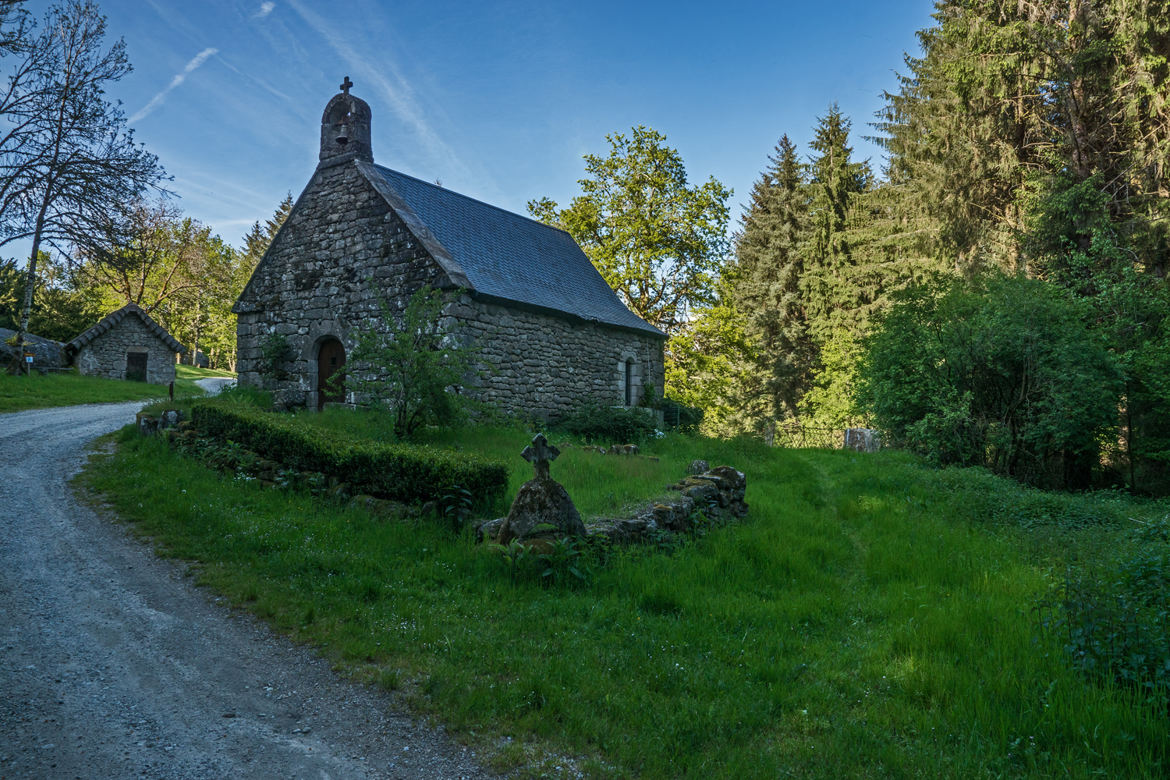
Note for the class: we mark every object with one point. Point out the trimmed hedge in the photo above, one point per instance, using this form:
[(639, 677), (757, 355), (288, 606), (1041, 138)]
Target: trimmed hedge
[(396, 471)]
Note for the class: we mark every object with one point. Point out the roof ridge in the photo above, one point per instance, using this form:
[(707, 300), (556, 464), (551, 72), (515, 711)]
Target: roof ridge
[(474, 200), (107, 322)]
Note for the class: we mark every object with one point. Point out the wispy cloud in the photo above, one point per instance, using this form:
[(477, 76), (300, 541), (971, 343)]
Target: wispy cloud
[(395, 88), (178, 79), (264, 10)]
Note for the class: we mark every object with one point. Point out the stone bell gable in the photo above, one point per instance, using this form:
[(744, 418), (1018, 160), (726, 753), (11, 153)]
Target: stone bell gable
[(549, 333)]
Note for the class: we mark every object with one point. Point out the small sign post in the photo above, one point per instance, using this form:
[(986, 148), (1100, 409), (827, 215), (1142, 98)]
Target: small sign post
[(28, 361)]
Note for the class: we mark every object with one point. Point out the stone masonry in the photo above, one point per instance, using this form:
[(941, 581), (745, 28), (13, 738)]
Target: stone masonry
[(339, 250), (547, 365), (104, 349), (353, 237)]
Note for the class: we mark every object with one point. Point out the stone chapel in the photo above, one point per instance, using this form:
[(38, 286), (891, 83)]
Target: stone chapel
[(550, 333)]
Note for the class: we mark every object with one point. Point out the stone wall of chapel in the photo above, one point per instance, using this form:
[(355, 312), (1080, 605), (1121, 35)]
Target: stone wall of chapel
[(340, 247), (542, 366), (106, 354)]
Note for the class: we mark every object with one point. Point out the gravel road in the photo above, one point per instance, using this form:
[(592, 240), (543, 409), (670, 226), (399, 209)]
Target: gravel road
[(112, 664), (213, 384)]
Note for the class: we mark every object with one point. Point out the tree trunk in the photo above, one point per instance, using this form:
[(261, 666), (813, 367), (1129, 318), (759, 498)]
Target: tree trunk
[(31, 281)]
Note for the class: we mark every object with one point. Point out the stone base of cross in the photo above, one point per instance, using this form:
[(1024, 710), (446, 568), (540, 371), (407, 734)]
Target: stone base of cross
[(542, 509)]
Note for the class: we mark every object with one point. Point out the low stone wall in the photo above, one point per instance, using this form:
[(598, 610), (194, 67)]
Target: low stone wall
[(715, 495), (150, 424), (47, 354)]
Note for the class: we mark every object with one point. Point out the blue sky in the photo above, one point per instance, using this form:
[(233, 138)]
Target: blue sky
[(496, 100)]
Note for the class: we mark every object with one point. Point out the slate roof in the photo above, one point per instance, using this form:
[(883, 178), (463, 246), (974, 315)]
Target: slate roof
[(501, 255), (110, 320), (46, 351)]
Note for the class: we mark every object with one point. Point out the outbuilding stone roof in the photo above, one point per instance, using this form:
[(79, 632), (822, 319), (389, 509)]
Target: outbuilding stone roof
[(110, 320), (498, 254)]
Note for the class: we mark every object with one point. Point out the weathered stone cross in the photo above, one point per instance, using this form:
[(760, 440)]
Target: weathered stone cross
[(540, 453), (345, 85)]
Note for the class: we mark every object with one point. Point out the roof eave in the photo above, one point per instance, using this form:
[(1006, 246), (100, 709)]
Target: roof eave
[(454, 271), (648, 329)]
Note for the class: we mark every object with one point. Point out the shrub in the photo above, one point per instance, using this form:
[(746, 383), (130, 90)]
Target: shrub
[(680, 417), (396, 471), (275, 353), (676, 415), (411, 364), (608, 424), (1116, 618), (1001, 373)]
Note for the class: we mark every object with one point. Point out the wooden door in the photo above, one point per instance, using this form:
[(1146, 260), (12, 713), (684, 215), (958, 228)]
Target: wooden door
[(330, 361), (136, 366)]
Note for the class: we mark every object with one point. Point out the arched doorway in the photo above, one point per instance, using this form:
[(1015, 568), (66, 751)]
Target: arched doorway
[(330, 361)]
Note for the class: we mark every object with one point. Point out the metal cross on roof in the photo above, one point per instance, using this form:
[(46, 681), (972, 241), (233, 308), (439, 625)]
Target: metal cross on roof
[(540, 453), (345, 85)]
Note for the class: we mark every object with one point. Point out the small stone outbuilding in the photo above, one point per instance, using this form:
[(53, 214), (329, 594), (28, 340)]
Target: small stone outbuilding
[(549, 333), (127, 344)]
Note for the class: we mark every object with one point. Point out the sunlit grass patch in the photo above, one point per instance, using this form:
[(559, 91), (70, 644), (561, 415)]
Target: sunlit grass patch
[(67, 388)]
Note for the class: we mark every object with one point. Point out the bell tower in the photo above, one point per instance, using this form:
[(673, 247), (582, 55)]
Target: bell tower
[(345, 128)]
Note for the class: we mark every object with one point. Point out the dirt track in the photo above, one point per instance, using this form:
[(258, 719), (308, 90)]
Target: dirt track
[(113, 665)]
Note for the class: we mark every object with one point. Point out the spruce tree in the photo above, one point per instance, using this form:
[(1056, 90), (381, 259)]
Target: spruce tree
[(1006, 96), (830, 285), (769, 252), (273, 223), (836, 181)]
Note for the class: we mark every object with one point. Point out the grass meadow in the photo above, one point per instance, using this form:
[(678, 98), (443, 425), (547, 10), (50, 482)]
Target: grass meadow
[(871, 617), (67, 388)]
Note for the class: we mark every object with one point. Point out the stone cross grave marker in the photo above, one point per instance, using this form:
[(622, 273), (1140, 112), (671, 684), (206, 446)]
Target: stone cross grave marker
[(540, 453), (345, 85)]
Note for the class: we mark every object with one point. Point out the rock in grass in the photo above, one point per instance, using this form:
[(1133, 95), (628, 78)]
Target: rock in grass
[(542, 509), (489, 531)]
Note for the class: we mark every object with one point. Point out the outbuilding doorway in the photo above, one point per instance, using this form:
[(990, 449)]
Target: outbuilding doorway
[(136, 366), (330, 362)]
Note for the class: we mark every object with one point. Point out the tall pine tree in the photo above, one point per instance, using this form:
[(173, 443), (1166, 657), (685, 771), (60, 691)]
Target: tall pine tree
[(769, 252), (831, 285)]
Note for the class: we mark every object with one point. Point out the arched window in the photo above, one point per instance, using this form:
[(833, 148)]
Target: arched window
[(629, 382), (330, 361)]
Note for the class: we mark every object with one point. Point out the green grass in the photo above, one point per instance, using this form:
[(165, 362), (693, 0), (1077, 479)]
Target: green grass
[(193, 372), (186, 376), (597, 486), (68, 388), (871, 617)]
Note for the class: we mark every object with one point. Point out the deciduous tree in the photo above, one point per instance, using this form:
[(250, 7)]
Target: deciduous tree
[(70, 165), (657, 239)]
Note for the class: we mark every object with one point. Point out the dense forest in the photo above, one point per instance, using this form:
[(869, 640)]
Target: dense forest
[(995, 295), (174, 267)]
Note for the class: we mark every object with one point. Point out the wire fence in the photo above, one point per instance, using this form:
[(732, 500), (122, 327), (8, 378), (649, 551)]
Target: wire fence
[(795, 436)]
